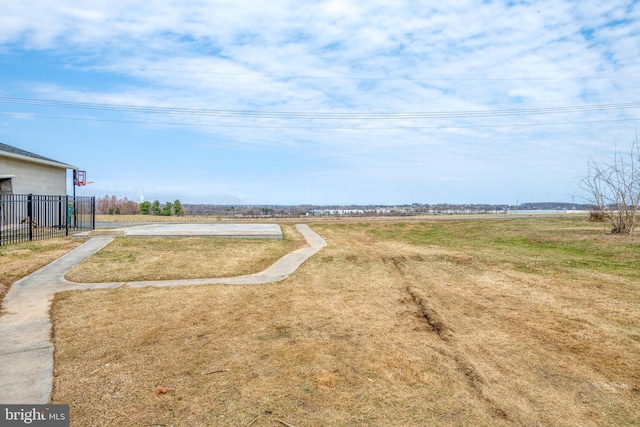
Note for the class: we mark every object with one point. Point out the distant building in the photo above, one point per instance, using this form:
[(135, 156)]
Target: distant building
[(22, 172)]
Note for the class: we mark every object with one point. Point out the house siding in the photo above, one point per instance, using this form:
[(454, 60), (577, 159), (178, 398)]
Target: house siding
[(34, 178)]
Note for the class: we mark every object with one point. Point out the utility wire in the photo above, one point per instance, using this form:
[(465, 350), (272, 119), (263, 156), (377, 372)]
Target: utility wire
[(319, 115), (225, 125)]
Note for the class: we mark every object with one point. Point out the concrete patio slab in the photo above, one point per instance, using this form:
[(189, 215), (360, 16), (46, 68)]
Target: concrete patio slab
[(251, 231)]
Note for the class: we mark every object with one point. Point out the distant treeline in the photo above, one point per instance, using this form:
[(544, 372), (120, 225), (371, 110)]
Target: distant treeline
[(245, 210), (115, 206), (255, 211), (112, 205)]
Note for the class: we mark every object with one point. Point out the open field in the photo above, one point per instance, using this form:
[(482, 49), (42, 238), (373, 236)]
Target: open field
[(21, 259), (495, 322)]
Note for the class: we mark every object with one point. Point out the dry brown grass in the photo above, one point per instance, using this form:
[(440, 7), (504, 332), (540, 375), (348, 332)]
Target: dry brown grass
[(132, 259), (20, 260), (526, 322)]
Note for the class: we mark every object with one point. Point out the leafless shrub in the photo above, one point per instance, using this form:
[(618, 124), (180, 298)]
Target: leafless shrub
[(614, 188)]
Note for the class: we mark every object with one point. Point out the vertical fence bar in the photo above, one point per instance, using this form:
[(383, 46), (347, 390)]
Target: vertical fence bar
[(30, 215), (23, 209), (75, 213), (2, 214), (39, 214), (66, 215), (42, 214), (39, 209)]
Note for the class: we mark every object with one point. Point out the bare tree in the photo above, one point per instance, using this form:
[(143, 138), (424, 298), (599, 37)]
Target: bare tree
[(614, 188), (113, 205)]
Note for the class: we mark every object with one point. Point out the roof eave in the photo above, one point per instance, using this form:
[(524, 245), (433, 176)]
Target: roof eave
[(40, 161)]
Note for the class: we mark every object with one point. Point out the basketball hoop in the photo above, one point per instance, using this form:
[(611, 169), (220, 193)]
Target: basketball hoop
[(80, 178)]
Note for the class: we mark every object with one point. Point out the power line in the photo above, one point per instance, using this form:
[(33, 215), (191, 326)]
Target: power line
[(288, 115), (224, 125)]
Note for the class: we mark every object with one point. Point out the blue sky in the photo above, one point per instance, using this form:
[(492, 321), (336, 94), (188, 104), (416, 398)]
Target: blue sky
[(322, 102)]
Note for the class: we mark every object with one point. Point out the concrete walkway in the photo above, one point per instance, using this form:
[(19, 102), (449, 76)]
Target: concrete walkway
[(26, 350)]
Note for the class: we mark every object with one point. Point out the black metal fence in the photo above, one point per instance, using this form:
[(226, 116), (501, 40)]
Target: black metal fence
[(26, 217)]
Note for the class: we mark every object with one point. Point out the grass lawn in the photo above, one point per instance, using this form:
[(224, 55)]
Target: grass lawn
[(445, 322), (132, 259)]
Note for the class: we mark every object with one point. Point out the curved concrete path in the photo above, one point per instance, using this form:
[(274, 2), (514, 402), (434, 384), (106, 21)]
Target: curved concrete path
[(26, 350)]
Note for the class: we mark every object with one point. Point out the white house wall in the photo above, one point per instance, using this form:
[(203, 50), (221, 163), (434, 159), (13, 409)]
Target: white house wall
[(34, 178)]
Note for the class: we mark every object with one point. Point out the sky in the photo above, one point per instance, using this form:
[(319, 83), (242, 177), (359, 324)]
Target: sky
[(277, 102)]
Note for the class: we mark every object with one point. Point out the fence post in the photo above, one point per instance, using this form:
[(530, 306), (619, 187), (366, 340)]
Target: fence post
[(75, 213), (93, 212), (66, 215), (30, 215)]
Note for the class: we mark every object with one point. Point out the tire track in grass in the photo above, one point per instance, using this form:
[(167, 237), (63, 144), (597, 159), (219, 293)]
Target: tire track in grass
[(436, 325)]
